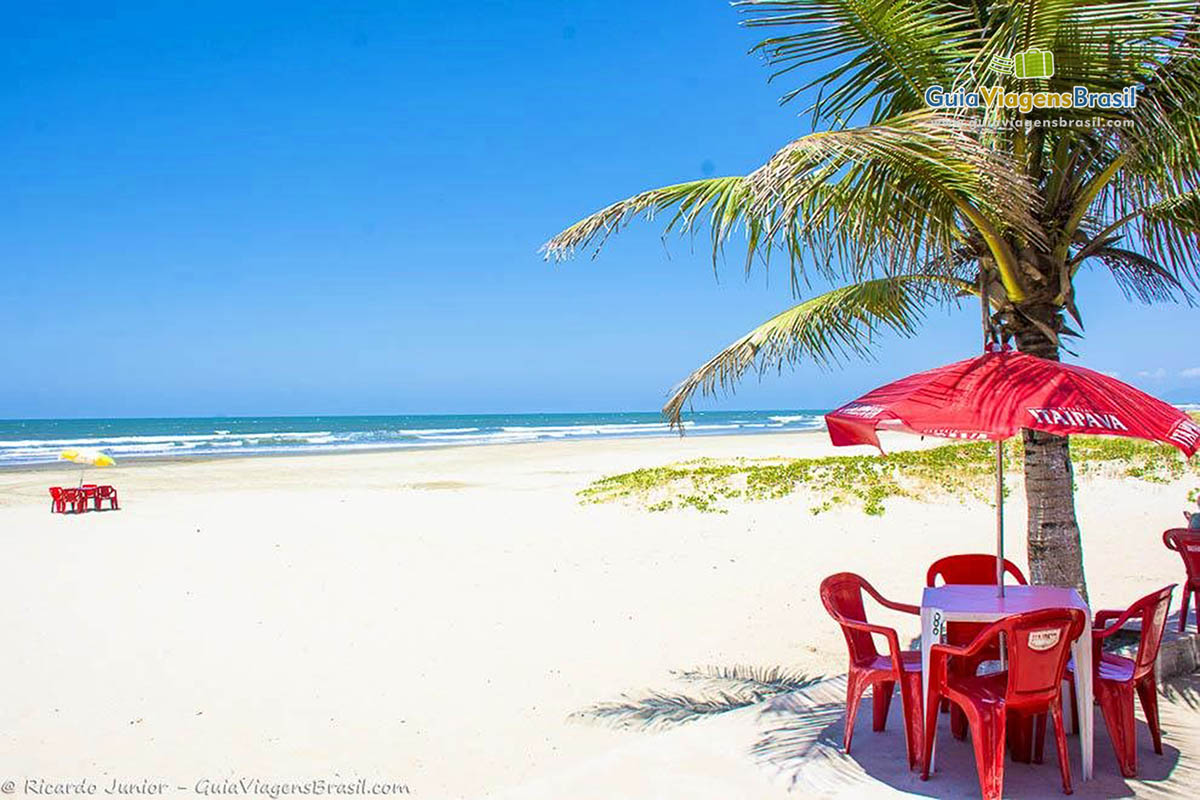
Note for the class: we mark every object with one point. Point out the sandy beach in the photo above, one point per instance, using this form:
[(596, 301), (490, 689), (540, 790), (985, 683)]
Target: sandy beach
[(433, 618)]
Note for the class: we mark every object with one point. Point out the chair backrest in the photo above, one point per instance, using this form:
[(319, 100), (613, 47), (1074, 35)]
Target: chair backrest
[(842, 596), (1152, 611), (970, 568), (1187, 544), (56, 492), (1039, 645), (105, 490)]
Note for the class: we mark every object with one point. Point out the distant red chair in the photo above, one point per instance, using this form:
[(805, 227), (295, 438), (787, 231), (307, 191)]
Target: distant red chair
[(57, 503), (76, 499), (1187, 544), (975, 569), (1037, 644), (842, 595), (1116, 677), (109, 493)]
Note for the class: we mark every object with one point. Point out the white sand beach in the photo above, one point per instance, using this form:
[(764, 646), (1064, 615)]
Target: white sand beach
[(433, 618)]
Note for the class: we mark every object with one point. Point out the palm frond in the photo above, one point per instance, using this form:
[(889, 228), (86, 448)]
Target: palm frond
[(891, 193), (879, 198), (1140, 277), (868, 49), (824, 329), (1162, 208), (721, 203)]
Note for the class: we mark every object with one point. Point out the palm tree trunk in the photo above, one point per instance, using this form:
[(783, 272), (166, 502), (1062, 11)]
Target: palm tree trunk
[(1055, 551)]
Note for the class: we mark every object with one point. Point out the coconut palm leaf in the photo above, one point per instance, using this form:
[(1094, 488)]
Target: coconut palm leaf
[(873, 48), (824, 329), (892, 192), (886, 197), (721, 203), (1163, 210), (1140, 277)]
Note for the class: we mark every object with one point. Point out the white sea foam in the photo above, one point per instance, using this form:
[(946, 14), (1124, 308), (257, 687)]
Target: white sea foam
[(124, 443), (784, 419), (109, 441)]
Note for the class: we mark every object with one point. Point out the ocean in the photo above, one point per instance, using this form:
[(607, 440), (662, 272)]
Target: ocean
[(35, 441)]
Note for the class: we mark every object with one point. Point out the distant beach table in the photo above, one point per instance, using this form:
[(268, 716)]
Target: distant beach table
[(957, 603)]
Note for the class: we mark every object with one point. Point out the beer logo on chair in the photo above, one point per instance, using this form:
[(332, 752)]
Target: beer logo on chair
[(1044, 640)]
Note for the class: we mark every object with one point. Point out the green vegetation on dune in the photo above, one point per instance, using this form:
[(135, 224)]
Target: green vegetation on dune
[(962, 471)]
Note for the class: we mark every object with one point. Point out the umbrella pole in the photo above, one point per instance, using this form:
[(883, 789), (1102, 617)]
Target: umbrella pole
[(1000, 518)]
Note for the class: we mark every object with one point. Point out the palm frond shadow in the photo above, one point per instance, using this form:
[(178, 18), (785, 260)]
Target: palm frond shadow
[(807, 728), (721, 689), (1186, 691)]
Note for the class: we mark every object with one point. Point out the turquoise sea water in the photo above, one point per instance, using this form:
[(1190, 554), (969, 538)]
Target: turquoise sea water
[(40, 441)]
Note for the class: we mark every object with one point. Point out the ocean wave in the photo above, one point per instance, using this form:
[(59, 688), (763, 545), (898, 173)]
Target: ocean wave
[(20, 443), (110, 441)]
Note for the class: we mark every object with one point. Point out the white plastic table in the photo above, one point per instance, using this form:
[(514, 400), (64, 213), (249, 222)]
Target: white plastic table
[(958, 603)]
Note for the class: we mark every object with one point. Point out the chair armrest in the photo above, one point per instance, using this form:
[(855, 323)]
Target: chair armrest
[(1169, 539), (939, 654), (1104, 615), (1101, 629), (945, 650), (868, 627), (979, 642), (893, 639), (907, 608), (883, 601)]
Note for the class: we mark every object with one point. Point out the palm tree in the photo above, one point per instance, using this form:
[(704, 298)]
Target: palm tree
[(906, 207)]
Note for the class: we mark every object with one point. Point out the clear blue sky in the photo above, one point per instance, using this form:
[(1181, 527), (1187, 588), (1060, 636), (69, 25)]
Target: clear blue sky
[(289, 207)]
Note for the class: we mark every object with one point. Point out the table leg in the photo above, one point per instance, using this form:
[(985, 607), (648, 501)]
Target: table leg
[(926, 643), (1082, 651)]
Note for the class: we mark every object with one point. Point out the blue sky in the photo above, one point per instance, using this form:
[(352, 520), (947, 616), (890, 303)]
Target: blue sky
[(291, 208)]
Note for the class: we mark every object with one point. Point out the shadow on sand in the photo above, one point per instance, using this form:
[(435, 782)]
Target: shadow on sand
[(802, 735)]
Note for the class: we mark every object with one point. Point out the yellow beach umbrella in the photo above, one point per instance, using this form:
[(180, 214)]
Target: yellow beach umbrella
[(87, 458)]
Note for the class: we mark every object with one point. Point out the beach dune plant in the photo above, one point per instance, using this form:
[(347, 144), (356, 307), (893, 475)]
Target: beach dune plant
[(904, 207)]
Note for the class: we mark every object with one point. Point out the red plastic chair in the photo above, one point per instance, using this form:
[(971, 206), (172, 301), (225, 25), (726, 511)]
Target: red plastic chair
[(976, 569), (57, 503), (1187, 544), (1038, 644), (108, 493), (88, 491), (75, 498), (1116, 678), (842, 595)]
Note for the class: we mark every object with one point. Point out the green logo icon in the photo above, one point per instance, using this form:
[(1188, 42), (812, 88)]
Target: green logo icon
[(1029, 64)]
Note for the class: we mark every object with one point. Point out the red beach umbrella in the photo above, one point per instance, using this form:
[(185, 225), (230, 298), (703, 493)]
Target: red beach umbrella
[(995, 395)]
